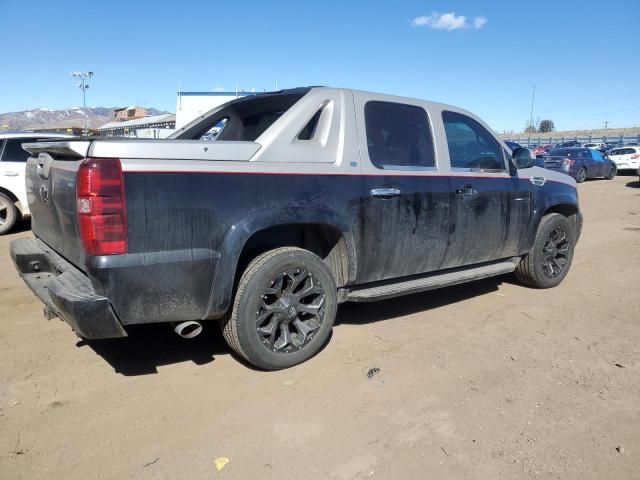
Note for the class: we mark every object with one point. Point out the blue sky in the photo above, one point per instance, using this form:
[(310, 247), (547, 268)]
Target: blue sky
[(581, 55)]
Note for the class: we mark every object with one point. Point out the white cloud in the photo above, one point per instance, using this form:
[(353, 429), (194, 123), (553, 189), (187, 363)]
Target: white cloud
[(447, 21), (479, 22)]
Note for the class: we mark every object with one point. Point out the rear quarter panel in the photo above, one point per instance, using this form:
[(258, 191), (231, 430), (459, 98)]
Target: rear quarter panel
[(186, 232)]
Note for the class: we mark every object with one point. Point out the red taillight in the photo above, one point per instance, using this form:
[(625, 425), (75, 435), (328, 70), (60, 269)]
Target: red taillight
[(101, 207), (568, 162), (637, 155)]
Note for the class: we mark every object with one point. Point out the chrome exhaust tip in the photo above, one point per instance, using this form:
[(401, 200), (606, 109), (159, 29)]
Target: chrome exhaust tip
[(188, 329)]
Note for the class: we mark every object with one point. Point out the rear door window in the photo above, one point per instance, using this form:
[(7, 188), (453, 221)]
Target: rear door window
[(471, 146), (398, 135), (13, 151)]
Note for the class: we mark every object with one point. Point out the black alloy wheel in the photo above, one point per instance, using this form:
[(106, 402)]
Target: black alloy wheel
[(556, 251), (284, 308), (291, 311)]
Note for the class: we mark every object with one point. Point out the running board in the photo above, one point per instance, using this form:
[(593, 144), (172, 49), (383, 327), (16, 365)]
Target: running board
[(430, 282)]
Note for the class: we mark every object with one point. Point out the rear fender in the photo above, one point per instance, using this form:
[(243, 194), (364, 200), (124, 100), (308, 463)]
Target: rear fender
[(241, 231)]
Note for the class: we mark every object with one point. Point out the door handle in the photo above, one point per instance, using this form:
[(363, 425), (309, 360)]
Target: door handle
[(10, 174), (466, 191), (385, 192)]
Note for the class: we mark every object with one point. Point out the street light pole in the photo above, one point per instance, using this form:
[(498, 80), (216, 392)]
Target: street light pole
[(84, 86), (533, 97)]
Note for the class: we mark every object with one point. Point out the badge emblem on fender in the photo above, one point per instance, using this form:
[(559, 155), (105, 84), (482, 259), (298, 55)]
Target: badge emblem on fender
[(538, 181)]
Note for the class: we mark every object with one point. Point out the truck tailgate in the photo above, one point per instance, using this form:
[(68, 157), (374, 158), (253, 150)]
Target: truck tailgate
[(51, 194)]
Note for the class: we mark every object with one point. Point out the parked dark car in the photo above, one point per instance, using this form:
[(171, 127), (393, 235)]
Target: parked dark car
[(569, 144), (580, 163)]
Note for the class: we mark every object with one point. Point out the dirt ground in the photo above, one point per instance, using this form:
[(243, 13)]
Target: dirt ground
[(481, 381)]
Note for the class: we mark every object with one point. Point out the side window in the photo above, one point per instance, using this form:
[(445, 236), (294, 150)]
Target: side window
[(13, 151), (398, 135), (596, 155), (309, 130), (471, 146)]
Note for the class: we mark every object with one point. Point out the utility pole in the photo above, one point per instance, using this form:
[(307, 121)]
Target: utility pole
[(533, 96), (84, 86), (606, 124)]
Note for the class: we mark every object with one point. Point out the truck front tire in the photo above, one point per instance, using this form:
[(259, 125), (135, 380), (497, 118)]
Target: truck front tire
[(283, 311), (549, 260)]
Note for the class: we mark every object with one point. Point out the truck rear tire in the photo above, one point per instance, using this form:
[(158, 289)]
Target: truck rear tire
[(283, 310), (549, 260), (8, 214)]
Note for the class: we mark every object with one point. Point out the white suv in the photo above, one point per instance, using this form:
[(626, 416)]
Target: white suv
[(626, 158), (13, 194)]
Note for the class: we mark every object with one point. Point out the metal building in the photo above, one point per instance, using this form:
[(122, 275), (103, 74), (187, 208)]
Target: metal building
[(155, 126)]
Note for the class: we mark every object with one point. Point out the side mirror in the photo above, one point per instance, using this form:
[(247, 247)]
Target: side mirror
[(522, 158)]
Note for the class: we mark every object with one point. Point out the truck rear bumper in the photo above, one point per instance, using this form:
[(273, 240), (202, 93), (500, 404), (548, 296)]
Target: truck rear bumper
[(65, 290)]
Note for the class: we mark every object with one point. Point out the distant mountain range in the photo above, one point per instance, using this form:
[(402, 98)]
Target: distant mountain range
[(69, 117)]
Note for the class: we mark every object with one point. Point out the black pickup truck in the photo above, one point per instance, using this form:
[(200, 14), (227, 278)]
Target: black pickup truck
[(267, 212)]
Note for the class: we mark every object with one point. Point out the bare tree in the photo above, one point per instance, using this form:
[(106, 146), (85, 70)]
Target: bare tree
[(530, 127)]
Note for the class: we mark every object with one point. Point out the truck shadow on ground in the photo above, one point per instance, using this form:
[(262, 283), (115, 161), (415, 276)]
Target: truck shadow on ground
[(151, 346)]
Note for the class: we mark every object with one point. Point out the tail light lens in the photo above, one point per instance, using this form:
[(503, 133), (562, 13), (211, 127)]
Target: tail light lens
[(101, 207), (568, 162), (637, 155)]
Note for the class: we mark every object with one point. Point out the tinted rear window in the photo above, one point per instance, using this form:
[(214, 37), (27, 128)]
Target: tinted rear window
[(569, 152), (624, 151), (398, 135), (13, 151)]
